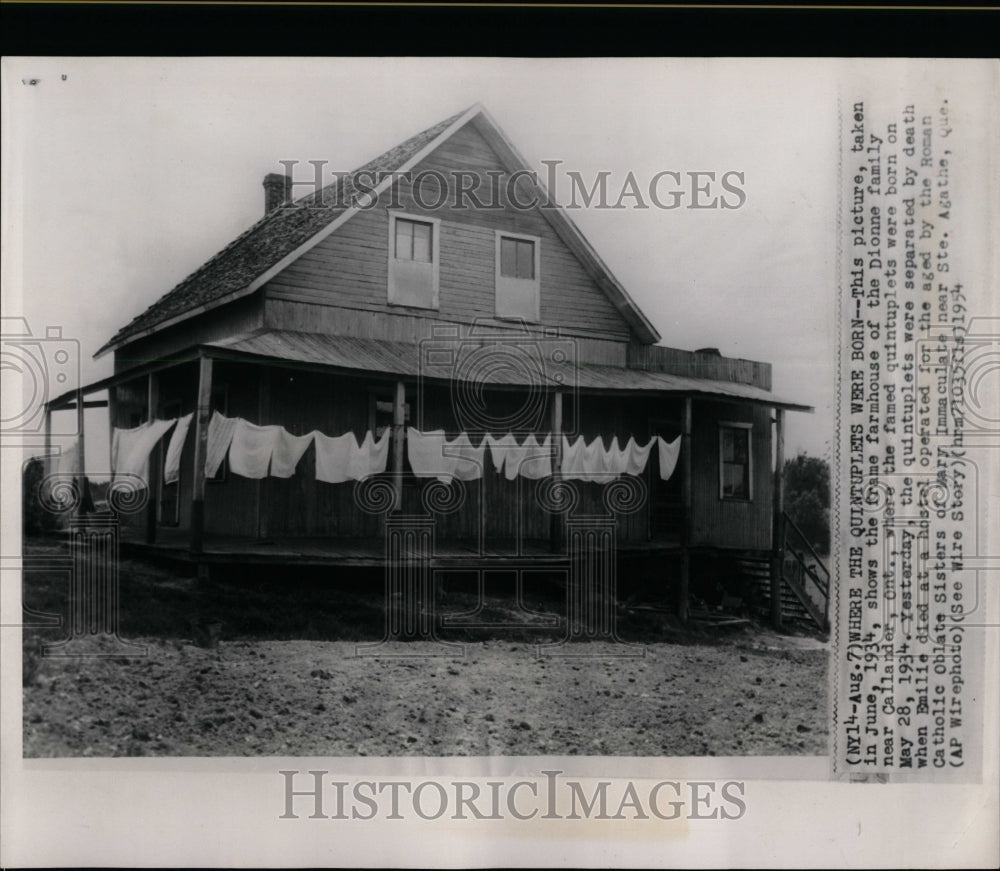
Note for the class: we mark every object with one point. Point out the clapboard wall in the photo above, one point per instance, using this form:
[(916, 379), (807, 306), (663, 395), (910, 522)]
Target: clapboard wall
[(349, 269)]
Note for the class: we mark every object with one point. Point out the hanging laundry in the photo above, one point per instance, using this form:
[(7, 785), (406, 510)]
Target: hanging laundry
[(132, 447), (593, 462), (571, 457), (615, 459), (537, 460), (66, 462), (333, 457), (288, 450), (669, 451), (251, 448), (428, 458), (636, 457), (370, 457), (470, 459), (506, 453), (172, 464), (220, 435)]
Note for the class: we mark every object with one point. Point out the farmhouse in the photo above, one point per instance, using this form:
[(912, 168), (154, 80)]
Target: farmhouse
[(377, 373)]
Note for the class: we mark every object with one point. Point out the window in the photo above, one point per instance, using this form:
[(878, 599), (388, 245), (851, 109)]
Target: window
[(735, 472), (517, 258), (413, 261), (517, 268), (413, 240)]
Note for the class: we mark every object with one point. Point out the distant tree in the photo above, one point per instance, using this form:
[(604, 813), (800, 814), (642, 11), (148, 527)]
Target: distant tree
[(807, 498)]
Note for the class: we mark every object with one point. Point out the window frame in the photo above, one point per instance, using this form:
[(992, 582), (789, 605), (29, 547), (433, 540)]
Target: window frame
[(740, 426), (499, 281), (394, 272)]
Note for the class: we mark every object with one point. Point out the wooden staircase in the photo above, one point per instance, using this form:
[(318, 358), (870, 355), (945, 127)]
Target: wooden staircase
[(805, 579)]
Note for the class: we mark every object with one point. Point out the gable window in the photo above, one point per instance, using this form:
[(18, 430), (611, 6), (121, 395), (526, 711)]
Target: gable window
[(735, 456), (413, 261), (517, 268)]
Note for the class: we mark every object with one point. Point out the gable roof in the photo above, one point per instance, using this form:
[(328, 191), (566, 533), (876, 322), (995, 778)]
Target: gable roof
[(284, 234)]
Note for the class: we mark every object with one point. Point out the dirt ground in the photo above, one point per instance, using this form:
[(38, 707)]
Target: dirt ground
[(723, 693)]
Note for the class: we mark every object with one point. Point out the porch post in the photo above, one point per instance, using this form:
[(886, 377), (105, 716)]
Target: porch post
[(555, 520), (81, 456), (778, 519), (684, 602), (155, 457), (49, 465), (263, 418), (112, 423), (398, 421), (202, 413)]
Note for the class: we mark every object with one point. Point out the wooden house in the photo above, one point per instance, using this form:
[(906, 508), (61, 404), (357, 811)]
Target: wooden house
[(380, 301)]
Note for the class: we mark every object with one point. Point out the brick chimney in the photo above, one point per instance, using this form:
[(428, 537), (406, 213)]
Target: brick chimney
[(277, 191)]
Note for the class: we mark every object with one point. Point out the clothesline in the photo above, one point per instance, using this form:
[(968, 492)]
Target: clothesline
[(258, 451)]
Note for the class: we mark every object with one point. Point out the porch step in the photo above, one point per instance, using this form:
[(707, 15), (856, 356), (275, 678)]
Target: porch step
[(757, 572)]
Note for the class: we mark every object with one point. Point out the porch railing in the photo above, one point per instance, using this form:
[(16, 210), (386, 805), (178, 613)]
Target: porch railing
[(804, 571)]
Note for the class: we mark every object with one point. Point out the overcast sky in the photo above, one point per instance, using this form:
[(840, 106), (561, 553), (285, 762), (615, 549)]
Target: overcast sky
[(127, 174)]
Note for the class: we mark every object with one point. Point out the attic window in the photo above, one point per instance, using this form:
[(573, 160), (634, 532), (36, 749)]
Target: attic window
[(735, 461), (413, 261), (517, 284), (413, 240)]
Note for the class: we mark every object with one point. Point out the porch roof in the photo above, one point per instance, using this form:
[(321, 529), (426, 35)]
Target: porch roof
[(427, 361)]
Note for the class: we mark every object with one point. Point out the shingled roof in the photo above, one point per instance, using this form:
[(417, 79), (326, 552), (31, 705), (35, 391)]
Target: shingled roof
[(273, 237), (284, 233)]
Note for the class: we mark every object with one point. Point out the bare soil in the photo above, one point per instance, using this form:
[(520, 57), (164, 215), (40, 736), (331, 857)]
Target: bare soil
[(268, 688)]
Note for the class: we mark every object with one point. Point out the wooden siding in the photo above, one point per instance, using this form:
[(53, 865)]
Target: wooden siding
[(237, 318), (283, 314), (349, 268), (726, 522)]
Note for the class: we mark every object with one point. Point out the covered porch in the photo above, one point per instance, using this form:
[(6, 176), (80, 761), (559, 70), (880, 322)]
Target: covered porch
[(307, 381)]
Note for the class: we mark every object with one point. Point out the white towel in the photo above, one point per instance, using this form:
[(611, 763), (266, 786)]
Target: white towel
[(501, 449), (172, 465), (220, 435), (537, 460), (572, 456), (592, 462), (669, 451), (470, 459), (428, 457), (251, 448), (370, 457), (636, 457), (133, 446), (333, 457), (65, 463), (288, 450)]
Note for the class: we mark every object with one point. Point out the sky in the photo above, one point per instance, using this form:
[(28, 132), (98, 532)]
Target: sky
[(122, 176)]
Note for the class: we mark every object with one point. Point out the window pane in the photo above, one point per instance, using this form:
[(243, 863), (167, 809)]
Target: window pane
[(422, 243), (404, 240), (508, 258), (728, 449), (740, 447), (734, 481), (525, 259)]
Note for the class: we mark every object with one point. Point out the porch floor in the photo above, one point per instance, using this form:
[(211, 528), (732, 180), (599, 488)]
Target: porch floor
[(360, 552)]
